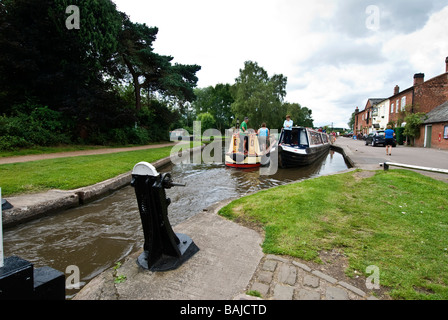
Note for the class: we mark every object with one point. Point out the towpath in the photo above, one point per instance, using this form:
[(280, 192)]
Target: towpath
[(35, 157)]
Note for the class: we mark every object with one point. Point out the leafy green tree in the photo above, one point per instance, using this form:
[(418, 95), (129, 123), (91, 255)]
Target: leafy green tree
[(259, 96), (351, 122), (413, 124), (302, 116), (44, 63), (207, 121), (150, 70), (217, 101)]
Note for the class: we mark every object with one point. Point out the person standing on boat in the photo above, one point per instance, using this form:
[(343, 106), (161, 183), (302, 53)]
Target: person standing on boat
[(243, 134), (287, 130), (263, 134)]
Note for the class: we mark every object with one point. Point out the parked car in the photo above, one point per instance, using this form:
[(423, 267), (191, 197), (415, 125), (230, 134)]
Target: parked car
[(378, 138)]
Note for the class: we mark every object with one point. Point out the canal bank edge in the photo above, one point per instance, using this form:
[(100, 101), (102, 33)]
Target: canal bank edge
[(227, 251), (28, 207)]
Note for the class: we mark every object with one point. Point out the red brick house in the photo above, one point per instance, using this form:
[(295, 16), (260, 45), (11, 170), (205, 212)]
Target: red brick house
[(363, 119), (398, 103), (434, 131), (429, 97)]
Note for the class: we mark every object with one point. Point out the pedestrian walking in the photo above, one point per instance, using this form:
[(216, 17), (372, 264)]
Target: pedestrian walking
[(390, 134)]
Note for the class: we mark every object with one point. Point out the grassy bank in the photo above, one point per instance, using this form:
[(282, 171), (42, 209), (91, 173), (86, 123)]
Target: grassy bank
[(395, 220), (62, 148), (71, 173)]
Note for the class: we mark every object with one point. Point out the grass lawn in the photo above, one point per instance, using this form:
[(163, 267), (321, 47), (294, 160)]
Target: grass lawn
[(71, 173), (64, 148), (396, 220)]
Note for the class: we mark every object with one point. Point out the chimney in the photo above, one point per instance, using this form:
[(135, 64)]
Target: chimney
[(419, 78), (446, 62), (396, 90)]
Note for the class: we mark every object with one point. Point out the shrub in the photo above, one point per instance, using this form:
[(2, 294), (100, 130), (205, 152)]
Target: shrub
[(43, 127)]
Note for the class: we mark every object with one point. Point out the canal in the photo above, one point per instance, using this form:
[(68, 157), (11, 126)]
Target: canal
[(96, 236)]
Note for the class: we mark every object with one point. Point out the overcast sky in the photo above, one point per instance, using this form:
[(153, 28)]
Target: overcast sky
[(335, 53)]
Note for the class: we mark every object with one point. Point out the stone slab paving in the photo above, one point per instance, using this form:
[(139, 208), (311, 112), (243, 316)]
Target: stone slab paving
[(280, 278)]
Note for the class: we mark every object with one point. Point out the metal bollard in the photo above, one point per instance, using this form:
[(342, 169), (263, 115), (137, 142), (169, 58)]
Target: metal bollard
[(163, 249)]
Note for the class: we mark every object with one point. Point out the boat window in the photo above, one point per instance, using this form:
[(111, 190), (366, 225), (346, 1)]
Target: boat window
[(315, 138), (303, 140)]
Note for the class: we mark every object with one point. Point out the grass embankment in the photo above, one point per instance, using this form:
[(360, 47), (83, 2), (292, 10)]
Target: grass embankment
[(395, 220), (71, 173), (63, 148)]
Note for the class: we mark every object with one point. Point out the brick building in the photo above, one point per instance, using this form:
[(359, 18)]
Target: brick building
[(398, 103), (429, 97), (364, 120), (434, 131)]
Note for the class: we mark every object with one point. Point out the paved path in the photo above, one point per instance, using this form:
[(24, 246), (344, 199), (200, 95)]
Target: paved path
[(369, 158), (230, 263), (282, 278)]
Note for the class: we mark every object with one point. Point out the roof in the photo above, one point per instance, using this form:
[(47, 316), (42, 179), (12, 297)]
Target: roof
[(376, 101), (373, 102), (401, 92), (438, 114)]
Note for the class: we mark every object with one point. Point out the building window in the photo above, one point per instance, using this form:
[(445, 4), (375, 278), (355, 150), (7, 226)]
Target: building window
[(445, 132), (403, 103), (398, 106), (392, 108)]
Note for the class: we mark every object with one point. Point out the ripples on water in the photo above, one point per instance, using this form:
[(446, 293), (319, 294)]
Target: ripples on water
[(95, 236)]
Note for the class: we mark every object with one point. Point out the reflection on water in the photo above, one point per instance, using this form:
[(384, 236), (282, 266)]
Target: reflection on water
[(95, 236)]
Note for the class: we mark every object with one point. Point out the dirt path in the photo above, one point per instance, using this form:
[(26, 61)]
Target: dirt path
[(36, 157)]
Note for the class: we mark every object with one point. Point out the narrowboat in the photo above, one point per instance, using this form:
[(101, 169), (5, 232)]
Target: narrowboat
[(307, 145), (251, 156)]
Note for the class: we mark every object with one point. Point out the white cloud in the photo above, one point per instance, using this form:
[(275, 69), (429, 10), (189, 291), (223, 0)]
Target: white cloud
[(332, 61)]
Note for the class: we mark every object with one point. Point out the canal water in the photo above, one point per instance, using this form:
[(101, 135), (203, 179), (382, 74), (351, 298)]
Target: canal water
[(96, 236)]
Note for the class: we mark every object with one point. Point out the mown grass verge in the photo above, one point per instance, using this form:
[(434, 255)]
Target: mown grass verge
[(62, 148), (71, 173), (395, 220)]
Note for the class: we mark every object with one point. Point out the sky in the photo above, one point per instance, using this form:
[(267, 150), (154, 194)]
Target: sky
[(336, 54)]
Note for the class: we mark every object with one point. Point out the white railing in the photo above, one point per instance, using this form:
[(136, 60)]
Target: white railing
[(386, 166)]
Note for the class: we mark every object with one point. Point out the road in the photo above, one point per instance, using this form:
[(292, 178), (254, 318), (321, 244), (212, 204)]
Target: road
[(369, 158)]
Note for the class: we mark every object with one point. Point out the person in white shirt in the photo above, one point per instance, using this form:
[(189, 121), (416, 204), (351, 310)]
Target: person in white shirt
[(287, 129)]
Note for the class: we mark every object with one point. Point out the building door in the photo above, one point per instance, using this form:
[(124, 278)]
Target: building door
[(428, 136)]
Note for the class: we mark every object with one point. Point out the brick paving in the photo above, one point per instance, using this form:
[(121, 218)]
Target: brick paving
[(280, 278)]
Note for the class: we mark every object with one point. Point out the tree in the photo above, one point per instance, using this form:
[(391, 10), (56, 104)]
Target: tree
[(413, 124), (217, 101), (302, 116), (207, 121), (150, 70), (259, 96), (351, 123), (77, 71), (44, 63)]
